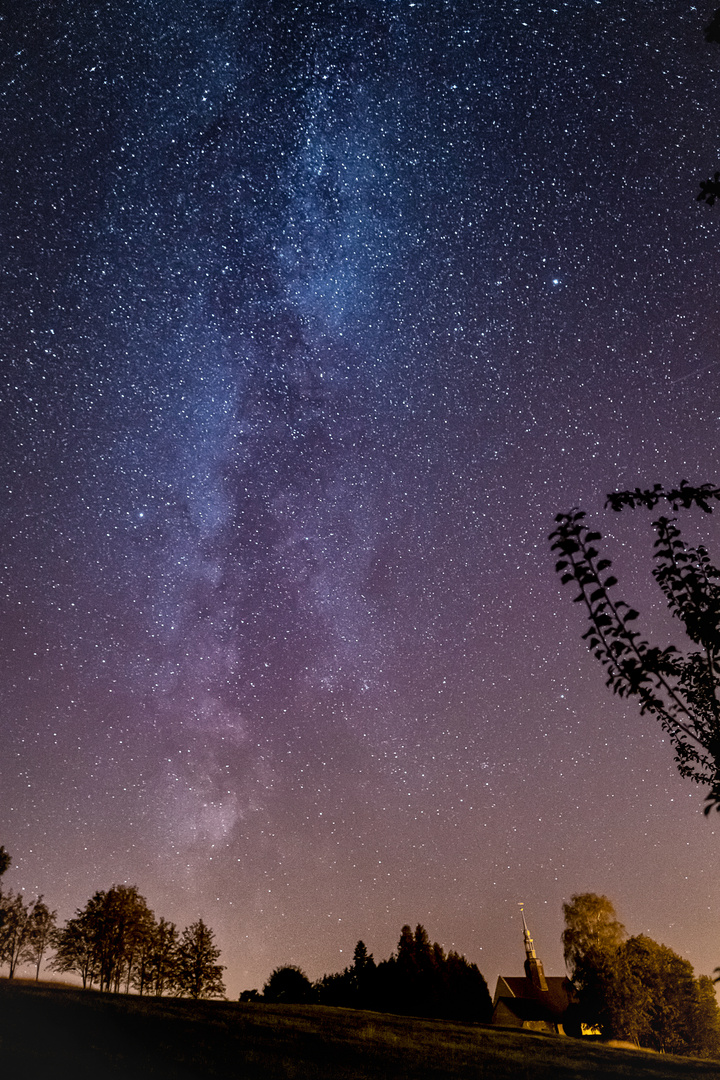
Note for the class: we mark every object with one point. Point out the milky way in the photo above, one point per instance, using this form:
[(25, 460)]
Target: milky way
[(314, 315)]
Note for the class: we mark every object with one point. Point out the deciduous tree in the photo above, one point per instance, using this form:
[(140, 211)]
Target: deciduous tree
[(634, 988), (672, 998), (74, 946), (706, 1021), (157, 972), (121, 921), (14, 932), (591, 941), (591, 926), (288, 985), (105, 939), (198, 975), (5, 902), (42, 925)]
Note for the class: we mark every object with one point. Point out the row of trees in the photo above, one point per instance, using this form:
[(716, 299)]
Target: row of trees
[(25, 929), (115, 943), (634, 988), (420, 979)]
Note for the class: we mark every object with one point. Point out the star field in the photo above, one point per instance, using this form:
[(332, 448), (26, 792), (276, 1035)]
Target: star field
[(313, 316)]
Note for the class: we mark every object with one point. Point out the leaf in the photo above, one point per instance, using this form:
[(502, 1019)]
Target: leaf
[(609, 582)]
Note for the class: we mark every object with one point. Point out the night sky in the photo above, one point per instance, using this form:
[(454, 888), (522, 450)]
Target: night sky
[(314, 315)]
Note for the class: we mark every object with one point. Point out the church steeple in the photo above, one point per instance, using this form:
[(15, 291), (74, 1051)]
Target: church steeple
[(533, 966)]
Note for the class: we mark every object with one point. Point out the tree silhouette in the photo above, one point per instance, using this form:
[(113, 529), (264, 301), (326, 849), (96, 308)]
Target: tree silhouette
[(116, 942), (14, 932), (681, 690), (42, 924), (74, 947), (288, 985), (420, 980), (120, 922), (198, 975), (156, 970), (362, 976), (712, 30)]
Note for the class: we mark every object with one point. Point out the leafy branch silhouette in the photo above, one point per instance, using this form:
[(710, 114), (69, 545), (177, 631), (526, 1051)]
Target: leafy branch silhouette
[(681, 690), (710, 189)]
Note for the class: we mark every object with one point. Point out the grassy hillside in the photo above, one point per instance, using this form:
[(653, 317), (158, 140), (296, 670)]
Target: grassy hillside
[(50, 1032)]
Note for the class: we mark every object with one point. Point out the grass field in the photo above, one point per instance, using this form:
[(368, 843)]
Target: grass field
[(52, 1032)]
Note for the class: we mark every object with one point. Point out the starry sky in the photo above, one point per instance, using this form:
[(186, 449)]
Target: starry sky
[(314, 315)]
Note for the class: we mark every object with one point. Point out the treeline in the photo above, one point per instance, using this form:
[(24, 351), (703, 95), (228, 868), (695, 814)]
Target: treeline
[(420, 979), (115, 943), (26, 930), (634, 988)]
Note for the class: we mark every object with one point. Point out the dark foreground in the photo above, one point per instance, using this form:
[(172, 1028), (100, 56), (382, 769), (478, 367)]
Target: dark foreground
[(56, 1032)]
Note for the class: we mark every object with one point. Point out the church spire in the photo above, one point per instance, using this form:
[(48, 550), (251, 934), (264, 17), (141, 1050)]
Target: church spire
[(533, 966), (529, 946)]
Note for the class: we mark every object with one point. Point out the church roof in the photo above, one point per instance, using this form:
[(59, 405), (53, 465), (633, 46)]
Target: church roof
[(519, 994)]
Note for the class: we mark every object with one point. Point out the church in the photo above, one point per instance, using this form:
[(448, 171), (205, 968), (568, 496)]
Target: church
[(535, 1001)]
